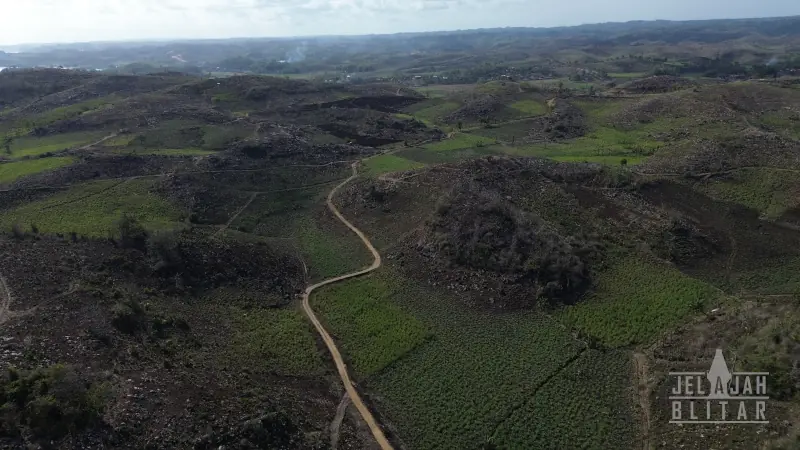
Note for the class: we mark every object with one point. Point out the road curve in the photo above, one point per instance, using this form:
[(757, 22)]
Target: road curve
[(355, 398)]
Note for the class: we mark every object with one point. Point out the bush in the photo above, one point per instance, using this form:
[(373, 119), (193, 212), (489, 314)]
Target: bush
[(131, 234), (164, 247), (52, 401), (129, 317), (17, 232)]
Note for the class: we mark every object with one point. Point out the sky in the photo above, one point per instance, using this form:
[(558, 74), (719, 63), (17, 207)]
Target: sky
[(52, 21)]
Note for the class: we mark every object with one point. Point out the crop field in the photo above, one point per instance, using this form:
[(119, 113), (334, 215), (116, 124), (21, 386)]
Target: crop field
[(599, 111), (329, 248), (636, 300), (10, 172), (458, 388), (783, 123), (529, 107), (425, 156), (23, 127), (92, 209), (389, 163), (768, 191), (280, 339), (432, 111), (34, 146), (300, 217), (781, 276), (582, 406), (627, 75), (505, 132), (459, 141), (374, 331)]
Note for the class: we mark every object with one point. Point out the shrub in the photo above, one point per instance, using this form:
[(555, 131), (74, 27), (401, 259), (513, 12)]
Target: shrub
[(51, 401), (164, 247), (129, 317), (17, 232), (130, 233)]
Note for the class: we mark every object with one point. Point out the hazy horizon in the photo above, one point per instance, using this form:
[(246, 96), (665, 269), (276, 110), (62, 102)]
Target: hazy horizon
[(71, 21)]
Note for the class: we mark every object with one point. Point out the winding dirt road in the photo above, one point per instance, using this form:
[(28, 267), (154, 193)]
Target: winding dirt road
[(355, 398)]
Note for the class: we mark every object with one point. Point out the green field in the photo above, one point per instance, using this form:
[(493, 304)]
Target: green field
[(299, 217), (627, 74), (638, 299), (374, 331), (10, 172), (453, 377), (432, 111), (582, 407), (425, 156), (529, 107), (280, 339), (458, 141), (34, 146), (480, 377), (389, 163), (25, 126), (516, 130), (329, 251), (92, 209), (770, 192)]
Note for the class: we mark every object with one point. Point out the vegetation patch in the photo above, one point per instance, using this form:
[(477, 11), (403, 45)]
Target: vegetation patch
[(373, 330), (558, 414), (167, 151), (389, 163), (459, 141), (49, 401), (328, 248), (28, 124), (768, 191), (425, 156), (529, 107), (605, 160), (432, 111), (636, 300), (280, 339), (34, 146), (509, 132), (782, 123), (10, 172), (775, 348), (93, 209), (475, 370), (326, 253)]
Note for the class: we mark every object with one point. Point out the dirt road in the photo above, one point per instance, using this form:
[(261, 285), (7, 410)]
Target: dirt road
[(355, 398)]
